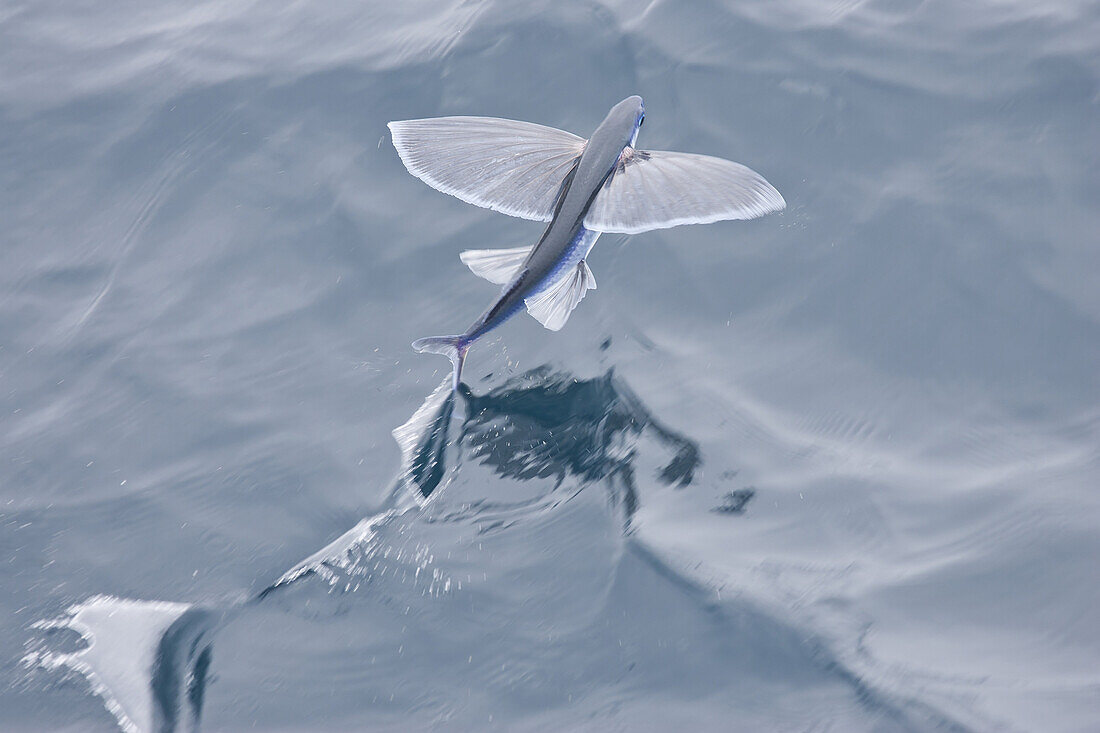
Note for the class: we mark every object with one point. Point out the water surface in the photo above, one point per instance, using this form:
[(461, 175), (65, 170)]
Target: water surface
[(835, 468)]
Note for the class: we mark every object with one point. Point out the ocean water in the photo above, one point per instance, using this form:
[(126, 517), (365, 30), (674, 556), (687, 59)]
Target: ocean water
[(833, 469)]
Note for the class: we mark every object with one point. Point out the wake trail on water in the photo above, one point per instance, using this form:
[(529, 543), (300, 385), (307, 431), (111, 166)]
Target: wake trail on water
[(149, 660)]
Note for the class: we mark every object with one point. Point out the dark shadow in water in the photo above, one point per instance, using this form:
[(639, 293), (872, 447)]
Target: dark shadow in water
[(547, 424), (180, 667), (734, 502), (541, 424)]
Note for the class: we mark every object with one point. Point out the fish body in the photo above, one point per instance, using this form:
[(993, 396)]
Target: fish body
[(580, 187), (552, 256)]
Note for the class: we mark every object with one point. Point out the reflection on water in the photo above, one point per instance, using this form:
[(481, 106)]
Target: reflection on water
[(179, 675), (561, 578), (546, 424), (149, 660)]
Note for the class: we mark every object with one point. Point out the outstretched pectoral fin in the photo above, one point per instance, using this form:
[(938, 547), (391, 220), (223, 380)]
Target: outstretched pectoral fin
[(551, 307), (657, 189), (513, 167), (496, 265)]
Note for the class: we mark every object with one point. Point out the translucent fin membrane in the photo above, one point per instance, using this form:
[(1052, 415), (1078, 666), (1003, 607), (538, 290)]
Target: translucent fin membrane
[(516, 168), (657, 190), (496, 265), (552, 306)]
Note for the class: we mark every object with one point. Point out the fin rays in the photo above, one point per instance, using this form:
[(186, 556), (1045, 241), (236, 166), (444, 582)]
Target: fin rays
[(516, 168), (495, 265), (658, 189), (551, 307)]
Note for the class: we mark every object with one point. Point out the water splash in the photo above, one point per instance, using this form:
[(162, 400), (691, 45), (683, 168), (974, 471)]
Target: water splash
[(147, 660)]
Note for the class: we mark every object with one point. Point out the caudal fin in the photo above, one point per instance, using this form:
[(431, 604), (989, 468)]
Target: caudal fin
[(452, 347)]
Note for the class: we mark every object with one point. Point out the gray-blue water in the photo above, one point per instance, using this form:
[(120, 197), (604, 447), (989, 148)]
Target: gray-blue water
[(832, 469)]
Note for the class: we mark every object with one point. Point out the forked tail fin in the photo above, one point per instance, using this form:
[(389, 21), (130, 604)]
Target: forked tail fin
[(452, 347)]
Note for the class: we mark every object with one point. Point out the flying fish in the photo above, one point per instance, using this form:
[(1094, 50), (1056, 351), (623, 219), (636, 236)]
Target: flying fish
[(582, 188)]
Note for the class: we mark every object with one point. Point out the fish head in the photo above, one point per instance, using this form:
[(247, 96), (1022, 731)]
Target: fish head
[(630, 114)]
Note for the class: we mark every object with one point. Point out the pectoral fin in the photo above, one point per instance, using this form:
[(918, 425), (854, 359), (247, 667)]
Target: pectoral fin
[(656, 189), (513, 167), (551, 307)]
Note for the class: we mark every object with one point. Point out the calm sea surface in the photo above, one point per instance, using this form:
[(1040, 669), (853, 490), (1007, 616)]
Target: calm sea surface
[(833, 469)]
